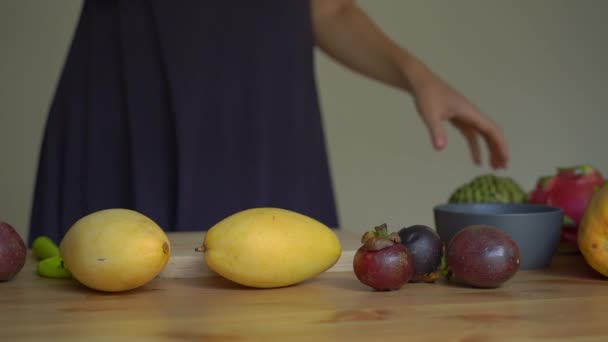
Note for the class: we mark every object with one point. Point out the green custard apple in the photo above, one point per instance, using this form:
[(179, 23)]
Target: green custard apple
[(489, 188)]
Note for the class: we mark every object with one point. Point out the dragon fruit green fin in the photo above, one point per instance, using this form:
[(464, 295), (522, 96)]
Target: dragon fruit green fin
[(544, 181), (568, 221), (578, 170)]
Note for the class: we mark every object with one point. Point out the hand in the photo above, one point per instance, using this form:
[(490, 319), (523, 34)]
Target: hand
[(346, 33), (437, 102)]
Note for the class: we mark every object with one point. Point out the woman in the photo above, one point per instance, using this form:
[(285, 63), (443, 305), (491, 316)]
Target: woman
[(189, 111)]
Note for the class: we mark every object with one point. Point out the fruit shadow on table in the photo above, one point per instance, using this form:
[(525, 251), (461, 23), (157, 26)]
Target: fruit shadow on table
[(572, 266)]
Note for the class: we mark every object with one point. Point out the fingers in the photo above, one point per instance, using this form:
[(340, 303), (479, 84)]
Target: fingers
[(469, 120), (470, 136), (436, 131), (471, 123), (471, 127), (497, 145)]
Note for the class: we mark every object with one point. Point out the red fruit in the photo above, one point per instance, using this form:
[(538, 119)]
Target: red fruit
[(383, 263), (540, 192), (482, 256), (427, 251), (570, 189), (12, 252)]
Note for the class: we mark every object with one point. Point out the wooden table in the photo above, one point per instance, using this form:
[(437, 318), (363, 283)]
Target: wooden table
[(564, 302)]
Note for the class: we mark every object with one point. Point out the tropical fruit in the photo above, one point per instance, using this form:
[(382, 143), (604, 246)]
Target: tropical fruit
[(50, 263), (482, 256), (382, 262), (115, 250), (270, 247), (52, 267), (427, 251), (12, 252), (44, 247), (489, 188), (570, 189), (593, 232)]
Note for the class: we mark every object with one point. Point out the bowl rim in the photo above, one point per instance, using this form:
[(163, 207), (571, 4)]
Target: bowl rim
[(540, 209)]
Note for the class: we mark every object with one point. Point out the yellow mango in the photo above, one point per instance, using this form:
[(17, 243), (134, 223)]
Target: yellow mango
[(115, 250), (593, 232), (270, 247)]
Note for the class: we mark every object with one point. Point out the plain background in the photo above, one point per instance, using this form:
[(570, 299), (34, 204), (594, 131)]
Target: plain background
[(539, 68)]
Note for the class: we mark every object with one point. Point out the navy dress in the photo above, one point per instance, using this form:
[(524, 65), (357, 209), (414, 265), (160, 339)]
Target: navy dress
[(186, 111)]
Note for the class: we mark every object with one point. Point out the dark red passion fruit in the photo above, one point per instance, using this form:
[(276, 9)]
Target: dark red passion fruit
[(382, 262), (482, 256), (13, 252), (427, 251)]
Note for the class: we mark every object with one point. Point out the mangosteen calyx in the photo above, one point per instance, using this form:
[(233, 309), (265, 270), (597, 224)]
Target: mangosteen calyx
[(379, 238), (444, 269), (432, 277)]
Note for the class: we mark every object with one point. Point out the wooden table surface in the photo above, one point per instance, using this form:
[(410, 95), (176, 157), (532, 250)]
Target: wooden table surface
[(566, 301)]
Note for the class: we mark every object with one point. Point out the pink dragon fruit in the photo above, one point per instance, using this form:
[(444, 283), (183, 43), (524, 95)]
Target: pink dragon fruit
[(570, 189)]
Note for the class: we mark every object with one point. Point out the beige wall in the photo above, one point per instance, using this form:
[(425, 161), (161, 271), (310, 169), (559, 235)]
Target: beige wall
[(538, 67)]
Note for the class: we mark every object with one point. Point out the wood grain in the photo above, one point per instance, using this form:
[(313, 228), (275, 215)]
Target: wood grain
[(565, 302)]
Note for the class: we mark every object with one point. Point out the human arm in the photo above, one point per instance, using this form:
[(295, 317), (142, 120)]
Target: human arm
[(347, 34)]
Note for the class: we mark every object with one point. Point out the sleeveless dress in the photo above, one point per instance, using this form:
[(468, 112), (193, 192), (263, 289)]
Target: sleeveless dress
[(186, 111)]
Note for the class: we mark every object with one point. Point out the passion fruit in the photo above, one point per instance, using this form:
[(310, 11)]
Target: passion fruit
[(427, 250), (482, 256), (12, 252)]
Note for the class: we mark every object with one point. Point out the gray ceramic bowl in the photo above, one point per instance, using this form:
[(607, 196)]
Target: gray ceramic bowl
[(534, 228)]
